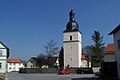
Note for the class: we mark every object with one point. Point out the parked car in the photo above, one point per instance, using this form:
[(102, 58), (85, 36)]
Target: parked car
[(85, 71), (64, 71)]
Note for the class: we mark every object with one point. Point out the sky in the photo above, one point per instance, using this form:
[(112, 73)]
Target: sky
[(27, 25)]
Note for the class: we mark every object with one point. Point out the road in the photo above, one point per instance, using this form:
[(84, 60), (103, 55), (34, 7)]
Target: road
[(17, 76)]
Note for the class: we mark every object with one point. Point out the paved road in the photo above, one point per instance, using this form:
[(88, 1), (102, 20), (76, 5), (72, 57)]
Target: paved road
[(17, 76)]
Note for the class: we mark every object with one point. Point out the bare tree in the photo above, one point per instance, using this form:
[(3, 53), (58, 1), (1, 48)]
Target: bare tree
[(41, 60), (51, 49)]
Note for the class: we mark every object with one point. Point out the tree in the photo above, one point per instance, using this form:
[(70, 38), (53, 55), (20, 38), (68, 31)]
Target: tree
[(97, 48), (61, 58), (41, 60), (51, 49)]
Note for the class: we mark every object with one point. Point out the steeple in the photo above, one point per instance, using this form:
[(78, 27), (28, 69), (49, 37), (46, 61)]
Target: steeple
[(71, 14), (72, 25), (72, 41)]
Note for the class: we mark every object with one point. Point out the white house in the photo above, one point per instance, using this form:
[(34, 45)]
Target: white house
[(14, 64), (84, 61), (4, 54), (116, 35), (72, 43)]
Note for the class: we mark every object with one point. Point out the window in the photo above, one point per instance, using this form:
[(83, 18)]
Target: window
[(119, 44), (0, 65), (13, 63), (10, 63), (71, 59), (0, 52), (70, 37)]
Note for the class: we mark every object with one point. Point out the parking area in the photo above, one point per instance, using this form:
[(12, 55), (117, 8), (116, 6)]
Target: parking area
[(17, 76)]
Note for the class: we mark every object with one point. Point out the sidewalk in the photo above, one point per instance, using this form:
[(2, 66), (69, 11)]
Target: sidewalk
[(2, 76)]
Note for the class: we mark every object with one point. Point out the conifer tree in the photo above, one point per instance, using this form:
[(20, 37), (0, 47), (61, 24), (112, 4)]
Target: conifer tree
[(61, 58), (97, 48)]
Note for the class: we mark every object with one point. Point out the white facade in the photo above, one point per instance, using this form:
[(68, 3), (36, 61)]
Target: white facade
[(84, 63), (3, 58), (15, 66), (72, 49), (116, 35)]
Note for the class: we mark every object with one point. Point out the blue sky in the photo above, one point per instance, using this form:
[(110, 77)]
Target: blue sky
[(26, 25)]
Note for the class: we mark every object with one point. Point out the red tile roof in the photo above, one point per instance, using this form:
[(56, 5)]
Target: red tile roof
[(83, 56), (14, 60), (110, 49)]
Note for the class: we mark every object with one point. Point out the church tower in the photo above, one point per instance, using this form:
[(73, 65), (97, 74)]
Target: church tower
[(72, 43)]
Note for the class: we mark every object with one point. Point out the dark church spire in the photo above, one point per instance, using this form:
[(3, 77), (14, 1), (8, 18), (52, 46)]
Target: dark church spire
[(72, 25), (71, 14)]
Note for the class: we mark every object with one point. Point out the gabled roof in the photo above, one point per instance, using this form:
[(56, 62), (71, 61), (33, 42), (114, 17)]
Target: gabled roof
[(110, 49), (32, 58), (115, 30), (14, 60), (84, 56), (3, 45), (6, 48)]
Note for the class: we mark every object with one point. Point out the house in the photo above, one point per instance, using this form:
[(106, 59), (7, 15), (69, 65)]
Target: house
[(85, 62), (4, 54), (31, 63), (116, 34), (109, 55), (14, 64)]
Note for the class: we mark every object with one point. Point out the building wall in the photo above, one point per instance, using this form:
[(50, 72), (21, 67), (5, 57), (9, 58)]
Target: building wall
[(109, 58), (3, 59), (3, 66), (31, 65), (72, 49), (84, 63), (117, 50), (15, 66)]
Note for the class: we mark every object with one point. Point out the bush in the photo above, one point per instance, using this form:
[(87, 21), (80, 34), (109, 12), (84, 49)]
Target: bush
[(38, 70), (2, 79)]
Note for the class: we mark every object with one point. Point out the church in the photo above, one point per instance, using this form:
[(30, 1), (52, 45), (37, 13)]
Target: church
[(72, 43)]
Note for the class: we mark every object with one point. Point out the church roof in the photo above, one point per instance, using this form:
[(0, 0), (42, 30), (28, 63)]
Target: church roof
[(72, 25)]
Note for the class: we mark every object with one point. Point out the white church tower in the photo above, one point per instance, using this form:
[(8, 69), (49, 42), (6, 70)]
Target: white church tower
[(72, 43)]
